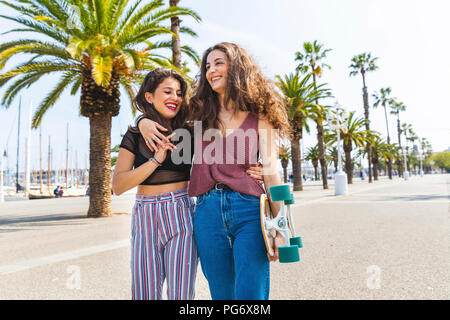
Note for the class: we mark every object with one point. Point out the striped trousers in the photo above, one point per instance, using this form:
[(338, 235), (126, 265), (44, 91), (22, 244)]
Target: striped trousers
[(163, 247)]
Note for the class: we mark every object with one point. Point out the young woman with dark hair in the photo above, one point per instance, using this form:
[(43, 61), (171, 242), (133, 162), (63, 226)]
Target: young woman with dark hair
[(162, 245), (238, 112)]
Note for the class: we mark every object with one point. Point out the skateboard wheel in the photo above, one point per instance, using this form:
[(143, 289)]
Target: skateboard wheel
[(290, 201), (288, 254), (280, 193), (296, 241)]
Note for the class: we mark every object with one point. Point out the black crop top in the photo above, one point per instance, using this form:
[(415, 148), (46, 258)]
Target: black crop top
[(169, 171)]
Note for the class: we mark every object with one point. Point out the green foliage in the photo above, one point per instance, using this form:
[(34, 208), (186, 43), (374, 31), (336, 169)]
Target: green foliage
[(284, 153), (311, 57), (299, 95), (312, 154), (363, 63), (107, 38), (382, 98), (441, 160), (352, 134)]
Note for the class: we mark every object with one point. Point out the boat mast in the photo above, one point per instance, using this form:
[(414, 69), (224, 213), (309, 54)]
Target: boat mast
[(67, 154), (18, 145)]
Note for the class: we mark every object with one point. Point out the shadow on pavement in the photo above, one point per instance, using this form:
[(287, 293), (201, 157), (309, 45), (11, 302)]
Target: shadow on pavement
[(30, 221)]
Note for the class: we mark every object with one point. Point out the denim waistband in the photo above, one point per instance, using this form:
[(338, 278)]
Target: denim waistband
[(163, 196)]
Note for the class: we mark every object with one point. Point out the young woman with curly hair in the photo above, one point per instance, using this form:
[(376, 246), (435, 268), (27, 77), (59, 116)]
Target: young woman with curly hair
[(236, 121)]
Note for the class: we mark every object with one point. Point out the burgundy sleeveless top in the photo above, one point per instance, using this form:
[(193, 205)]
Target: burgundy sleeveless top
[(219, 159)]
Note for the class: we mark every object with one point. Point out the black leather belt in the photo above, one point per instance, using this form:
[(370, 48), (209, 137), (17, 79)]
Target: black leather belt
[(221, 186)]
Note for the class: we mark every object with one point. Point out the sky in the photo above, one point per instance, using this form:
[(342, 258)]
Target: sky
[(410, 39)]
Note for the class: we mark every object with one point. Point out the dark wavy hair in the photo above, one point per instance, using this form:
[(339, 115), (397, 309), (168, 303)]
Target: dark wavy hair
[(151, 81), (247, 89)]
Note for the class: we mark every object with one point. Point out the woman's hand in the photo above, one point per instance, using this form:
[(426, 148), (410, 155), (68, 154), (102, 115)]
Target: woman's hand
[(256, 172), (161, 153), (276, 242), (149, 130)]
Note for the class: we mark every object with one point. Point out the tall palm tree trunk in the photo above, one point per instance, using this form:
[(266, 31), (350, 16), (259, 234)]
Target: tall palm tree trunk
[(321, 143), (389, 162), (321, 152), (348, 163), (296, 164), (99, 104), (366, 115), (175, 28), (100, 166), (284, 164), (389, 165), (399, 161), (375, 166), (316, 173)]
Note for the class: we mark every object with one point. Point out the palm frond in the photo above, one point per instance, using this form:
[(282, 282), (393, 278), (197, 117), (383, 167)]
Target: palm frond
[(51, 98), (42, 67), (39, 48), (35, 26), (101, 70)]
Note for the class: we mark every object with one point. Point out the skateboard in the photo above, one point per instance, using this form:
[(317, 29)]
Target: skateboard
[(283, 223)]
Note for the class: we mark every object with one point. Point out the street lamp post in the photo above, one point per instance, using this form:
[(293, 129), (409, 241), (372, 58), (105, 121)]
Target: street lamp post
[(421, 163), (337, 121), (406, 172)]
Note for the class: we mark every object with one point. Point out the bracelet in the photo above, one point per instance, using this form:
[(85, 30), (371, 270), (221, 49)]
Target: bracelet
[(155, 160)]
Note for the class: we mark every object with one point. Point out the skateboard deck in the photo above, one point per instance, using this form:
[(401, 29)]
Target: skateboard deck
[(265, 214)]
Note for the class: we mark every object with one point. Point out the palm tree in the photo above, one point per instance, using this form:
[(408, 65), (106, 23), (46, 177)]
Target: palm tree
[(175, 28), (312, 155), (333, 155), (299, 96), (332, 151), (382, 98), (177, 49), (97, 47), (406, 129), (396, 154), (352, 134), (380, 150), (426, 150), (311, 57), (413, 137), (284, 155), (363, 63), (396, 108)]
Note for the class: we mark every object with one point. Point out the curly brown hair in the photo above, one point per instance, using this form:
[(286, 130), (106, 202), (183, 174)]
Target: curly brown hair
[(247, 89)]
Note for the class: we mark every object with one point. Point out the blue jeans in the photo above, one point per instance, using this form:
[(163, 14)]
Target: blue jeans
[(231, 247)]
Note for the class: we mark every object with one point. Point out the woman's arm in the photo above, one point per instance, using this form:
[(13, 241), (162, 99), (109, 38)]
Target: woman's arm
[(125, 177), (149, 130), (269, 155)]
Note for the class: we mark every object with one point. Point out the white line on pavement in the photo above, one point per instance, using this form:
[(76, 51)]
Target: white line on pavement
[(28, 264)]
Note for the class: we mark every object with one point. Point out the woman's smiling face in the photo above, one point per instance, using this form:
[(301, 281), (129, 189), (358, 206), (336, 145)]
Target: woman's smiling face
[(217, 70), (167, 98)]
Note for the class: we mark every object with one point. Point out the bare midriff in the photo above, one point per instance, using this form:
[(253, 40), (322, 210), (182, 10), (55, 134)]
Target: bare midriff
[(153, 190)]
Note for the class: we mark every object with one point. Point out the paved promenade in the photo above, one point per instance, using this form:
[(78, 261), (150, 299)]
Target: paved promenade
[(386, 240)]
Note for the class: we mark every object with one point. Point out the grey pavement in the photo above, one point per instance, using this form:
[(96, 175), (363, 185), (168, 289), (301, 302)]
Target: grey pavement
[(385, 240)]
